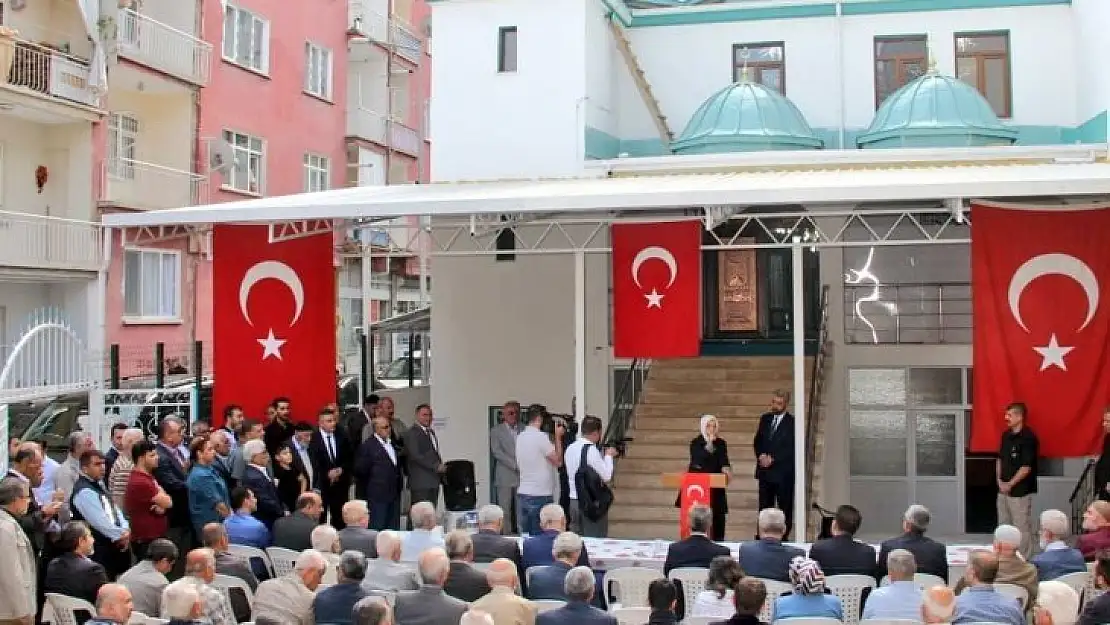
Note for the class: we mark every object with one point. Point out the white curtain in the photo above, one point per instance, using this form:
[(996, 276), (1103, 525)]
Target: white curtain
[(98, 76)]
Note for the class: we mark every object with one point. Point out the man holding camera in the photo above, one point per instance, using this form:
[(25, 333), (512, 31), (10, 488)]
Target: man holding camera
[(537, 459), (602, 463)]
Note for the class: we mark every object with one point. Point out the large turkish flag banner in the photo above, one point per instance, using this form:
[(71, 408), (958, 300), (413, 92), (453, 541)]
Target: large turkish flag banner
[(656, 289), (274, 307), (1042, 330)]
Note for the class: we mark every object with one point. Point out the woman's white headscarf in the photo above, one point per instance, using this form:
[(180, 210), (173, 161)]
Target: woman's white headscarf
[(705, 420)]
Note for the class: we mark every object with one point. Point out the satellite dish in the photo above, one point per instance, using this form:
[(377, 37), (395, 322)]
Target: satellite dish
[(221, 155)]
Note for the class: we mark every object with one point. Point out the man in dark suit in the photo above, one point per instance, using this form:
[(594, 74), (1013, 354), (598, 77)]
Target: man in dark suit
[(261, 483), (424, 465), (330, 453), (578, 587), (117, 442), (931, 556), (295, 531), (172, 469), (774, 454), (843, 554), (696, 550), (768, 557), (490, 544), (378, 471), (465, 582)]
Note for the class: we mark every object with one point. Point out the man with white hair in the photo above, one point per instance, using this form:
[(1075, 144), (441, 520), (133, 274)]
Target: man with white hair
[(502, 602), (769, 557), (372, 611), (476, 617), (490, 544), (465, 582), (335, 603), (1056, 557), (429, 605), (200, 570), (1012, 569), (579, 591), (1057, 604), (930, 555), (536, 550), (182, 602), (901, 599), (386, 573), (356, 535), (288, 599), (113, 605), (424, 534), (547, 581), (938, 605), (258, 479), (70, 469)]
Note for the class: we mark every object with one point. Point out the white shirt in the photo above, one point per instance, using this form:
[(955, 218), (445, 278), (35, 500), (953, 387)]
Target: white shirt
[(537, 475), (305, 460), (388, 448), (603, 464)]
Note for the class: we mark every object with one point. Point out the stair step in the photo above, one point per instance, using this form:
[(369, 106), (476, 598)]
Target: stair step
[(664, 393), (783, 363), (738, 454), (686, 419)]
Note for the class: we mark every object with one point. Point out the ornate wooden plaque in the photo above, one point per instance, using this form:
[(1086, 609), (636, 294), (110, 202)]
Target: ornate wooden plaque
[(737, 291)]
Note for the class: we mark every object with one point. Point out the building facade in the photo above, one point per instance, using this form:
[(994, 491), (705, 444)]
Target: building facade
[(536, 91)]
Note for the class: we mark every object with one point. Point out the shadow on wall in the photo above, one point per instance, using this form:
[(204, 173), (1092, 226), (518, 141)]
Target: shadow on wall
[(405, 401)]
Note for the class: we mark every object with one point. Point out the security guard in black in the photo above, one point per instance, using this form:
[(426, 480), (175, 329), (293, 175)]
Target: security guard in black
[(1018, 449)]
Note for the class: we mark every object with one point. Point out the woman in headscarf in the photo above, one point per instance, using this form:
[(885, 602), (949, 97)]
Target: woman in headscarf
[(808, 599), (709, 454)]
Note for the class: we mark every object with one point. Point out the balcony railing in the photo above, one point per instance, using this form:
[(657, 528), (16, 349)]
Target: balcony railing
[(373, 126), (135, 184), (404, 138), (405, 42), (36, 241), (35, 67), (164, 48), (377, 27), (922, 314)]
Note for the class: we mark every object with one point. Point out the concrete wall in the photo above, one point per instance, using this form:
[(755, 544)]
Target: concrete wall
[(65, 150)]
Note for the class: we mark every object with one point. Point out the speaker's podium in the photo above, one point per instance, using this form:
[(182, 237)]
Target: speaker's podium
[(693, 489)]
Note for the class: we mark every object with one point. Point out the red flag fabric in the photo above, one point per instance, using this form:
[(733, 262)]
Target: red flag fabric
[(657, 289), (695, 492), (1042, 331), (274, 308)]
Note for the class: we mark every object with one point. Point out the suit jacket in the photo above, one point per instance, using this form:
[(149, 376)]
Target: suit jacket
[(466, 583), (1053, 563), (547, 581), (390, 576), (222, 467), (234, 566), (931, 556), (295, 531), (843, 555), (32, 523), (284, 600), (502, 445), (171, 476), (146, 586), (374, 470), (18, 591), (768, 558), (1096, 612), (335, 603), (322, 462), (576, 613), (269, 504), (1012, 570), (489, 546), (359, 539), (536, 550), (110, 459), (74, 576), (506, 607), (695, 550), (779, 445), (422, 459), (428, 605)]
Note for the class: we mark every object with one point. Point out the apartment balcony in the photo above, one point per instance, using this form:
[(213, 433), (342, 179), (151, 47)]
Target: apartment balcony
[(39, 242), (164, 48), (382, 30), (147, 186), (369, 125), (46, 72)]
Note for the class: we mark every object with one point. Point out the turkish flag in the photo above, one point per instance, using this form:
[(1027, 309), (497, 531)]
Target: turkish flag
[(695, 492), (656, 289), (274, 310), (1042, 330)]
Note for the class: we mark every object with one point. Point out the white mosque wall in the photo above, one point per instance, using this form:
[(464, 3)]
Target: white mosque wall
[(1092, 48)]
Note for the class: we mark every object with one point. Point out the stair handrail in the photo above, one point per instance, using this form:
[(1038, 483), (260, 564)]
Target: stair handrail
[(624, 404), (813, 406), (1082, 495)]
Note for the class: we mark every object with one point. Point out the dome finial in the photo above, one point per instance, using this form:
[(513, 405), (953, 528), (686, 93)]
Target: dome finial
[(745, 72), (929, 54)]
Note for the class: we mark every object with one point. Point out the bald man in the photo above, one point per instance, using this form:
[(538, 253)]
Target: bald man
[(938, 604), (113, 605), (200, 569), (502, 602)]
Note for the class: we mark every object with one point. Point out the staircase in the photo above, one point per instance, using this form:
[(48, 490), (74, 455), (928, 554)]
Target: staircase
[(642, 86)]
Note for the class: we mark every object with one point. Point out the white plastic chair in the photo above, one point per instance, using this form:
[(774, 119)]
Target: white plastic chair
[(1015, 591), (807, 621), (224, 584), (251, 553), (632, 586), (546, 605), (282, 559), (1090, 591), (631, 616), (923, 581), (66, 608), (1077, 581), (693, 580), (849, 588), (775, 589)]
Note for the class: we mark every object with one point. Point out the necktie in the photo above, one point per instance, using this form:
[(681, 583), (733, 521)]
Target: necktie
[(775, 423), (432, 434), (331, 446)]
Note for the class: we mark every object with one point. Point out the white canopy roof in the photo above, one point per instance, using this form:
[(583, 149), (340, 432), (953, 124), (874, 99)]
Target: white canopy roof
[(622, 192)]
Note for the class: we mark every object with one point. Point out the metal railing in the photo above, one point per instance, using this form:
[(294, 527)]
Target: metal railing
[(404, 138), (813, 406), (405, 42), (624, 402), (389, 32), (377, 127), (163, 47), (919, 313), (1082, 495), (35, 67), (37, 241), (137, 184)]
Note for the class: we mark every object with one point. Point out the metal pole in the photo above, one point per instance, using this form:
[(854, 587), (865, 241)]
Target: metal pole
[(367, 364), (366, 342), (798, 322), (159, 365), (579, 336)]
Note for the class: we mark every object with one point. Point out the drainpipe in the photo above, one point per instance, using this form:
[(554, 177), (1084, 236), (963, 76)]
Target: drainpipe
[(840, 69), (580, 122)]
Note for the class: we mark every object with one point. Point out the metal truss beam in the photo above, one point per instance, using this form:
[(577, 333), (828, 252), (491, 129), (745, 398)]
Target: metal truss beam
[(289, 230), (151, 235)]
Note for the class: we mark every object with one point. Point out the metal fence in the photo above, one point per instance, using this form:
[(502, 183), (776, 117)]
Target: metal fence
[(929, 314)]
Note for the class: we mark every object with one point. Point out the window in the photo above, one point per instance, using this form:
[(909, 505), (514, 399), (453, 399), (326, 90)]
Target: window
[(248, 174), (123, 135), (983, 61), (898, 61), (765, 63), (152, 284), (506, 49), (318, 64), (317, 173), (246, 39)]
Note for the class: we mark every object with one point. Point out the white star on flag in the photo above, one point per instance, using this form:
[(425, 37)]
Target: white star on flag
[(654, 299), (271, 346), (1053, 354)]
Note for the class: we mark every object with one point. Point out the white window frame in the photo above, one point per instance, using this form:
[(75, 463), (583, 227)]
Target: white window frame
[(317, 173), (157, 316), (259, 38), (123, 144), (318, 70), (245, 154)]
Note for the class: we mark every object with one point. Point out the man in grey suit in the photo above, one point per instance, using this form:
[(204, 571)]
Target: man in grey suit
[(252, 430), (429, 605), (356, 514), (386, 573), (424, 464), (502, 444)]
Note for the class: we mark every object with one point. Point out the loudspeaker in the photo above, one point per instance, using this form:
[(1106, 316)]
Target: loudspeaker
[(460, 490)]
